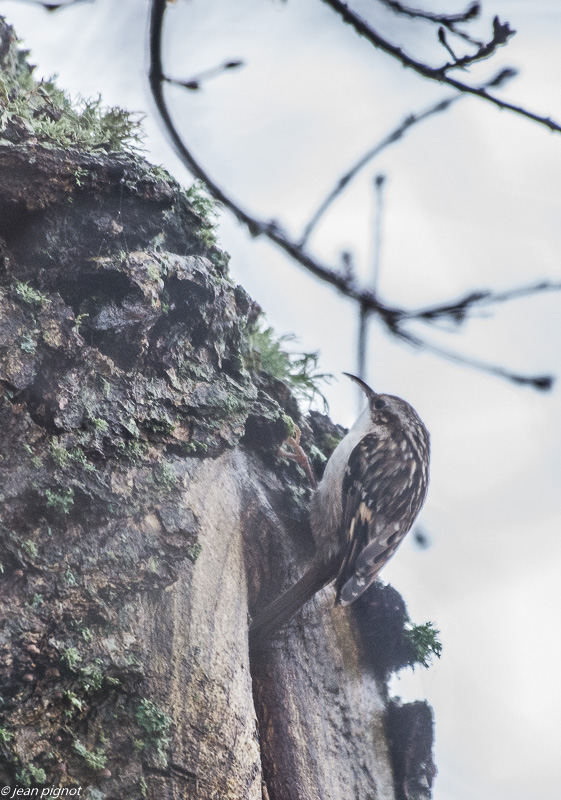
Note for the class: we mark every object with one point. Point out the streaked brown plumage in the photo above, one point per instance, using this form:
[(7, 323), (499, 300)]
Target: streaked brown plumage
[(372, 490)]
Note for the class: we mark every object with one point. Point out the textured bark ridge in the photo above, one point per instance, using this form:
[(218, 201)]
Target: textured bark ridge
[(145, 510)]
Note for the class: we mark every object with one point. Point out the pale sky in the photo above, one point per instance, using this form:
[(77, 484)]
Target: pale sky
[(472, 201)]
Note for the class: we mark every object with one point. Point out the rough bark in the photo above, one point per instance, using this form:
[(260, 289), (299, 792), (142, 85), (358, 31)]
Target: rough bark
[(145, 510)]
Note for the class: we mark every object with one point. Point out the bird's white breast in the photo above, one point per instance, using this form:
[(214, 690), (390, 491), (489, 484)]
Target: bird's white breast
[(326, 506)]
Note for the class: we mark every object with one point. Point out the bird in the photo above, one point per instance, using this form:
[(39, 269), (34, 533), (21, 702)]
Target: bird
[(371, 492)]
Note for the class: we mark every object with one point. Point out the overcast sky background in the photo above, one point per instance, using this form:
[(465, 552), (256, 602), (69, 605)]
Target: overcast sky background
[(472, 201)]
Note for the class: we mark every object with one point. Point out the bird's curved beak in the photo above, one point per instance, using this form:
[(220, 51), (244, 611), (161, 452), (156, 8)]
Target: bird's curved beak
[(370, 393)]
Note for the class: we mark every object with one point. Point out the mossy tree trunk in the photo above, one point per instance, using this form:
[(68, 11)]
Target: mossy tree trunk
[(145, 513)]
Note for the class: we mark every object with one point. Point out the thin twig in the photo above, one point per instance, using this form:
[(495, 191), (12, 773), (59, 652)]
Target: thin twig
[(362, 28), (379, 183), (364, 313), (413, 119), (440, 19), (448, 21), (444, 42), (459, 310), (541, 382), (371, 154), (501, 34), (56, 6), (195, 83)]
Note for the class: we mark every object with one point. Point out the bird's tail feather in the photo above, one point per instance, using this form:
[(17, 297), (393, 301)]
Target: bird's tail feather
[(275, 615)]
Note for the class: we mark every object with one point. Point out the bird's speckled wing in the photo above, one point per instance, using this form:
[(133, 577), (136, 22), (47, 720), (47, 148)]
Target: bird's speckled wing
[(384, 487)]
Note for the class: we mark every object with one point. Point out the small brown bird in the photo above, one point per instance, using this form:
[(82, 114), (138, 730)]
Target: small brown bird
[(372, 489)]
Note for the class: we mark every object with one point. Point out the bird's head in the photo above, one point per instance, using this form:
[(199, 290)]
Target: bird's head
[(387, 409)]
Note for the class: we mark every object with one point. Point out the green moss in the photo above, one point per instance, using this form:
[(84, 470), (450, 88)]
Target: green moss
[(79, 175), (79, 457), (263, 351), (165, 477), (30, 548), (163, 426), (289, 424), (39, 110), (71, 657), (192, 448), (208, 209), (155, 724), (159, 173), (29, 295), (6, 736), (60, 456), (95, 759), (153, 272), (64, 458), (330, 442), (61, 501), (38, 774), (28, 343), (69, 578), (316, 456), (74, 700), (130, 425), (87, 634), (100, 424), (424, 642), (133, 450), (91, 678), (29, 773), (194, 551)]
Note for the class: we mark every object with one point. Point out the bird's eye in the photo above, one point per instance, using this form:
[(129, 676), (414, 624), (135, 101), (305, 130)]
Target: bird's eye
[(379, 404)]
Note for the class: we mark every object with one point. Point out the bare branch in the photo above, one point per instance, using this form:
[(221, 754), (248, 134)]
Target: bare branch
[(501, 34), (342, 280), (459, 310), (364, 313), (56, 6), (195, 83), (542, 383), (444, 42), (362, 28), (448, 20)]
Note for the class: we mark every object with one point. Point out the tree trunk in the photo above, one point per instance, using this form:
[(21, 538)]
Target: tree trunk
[(145, 511)]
